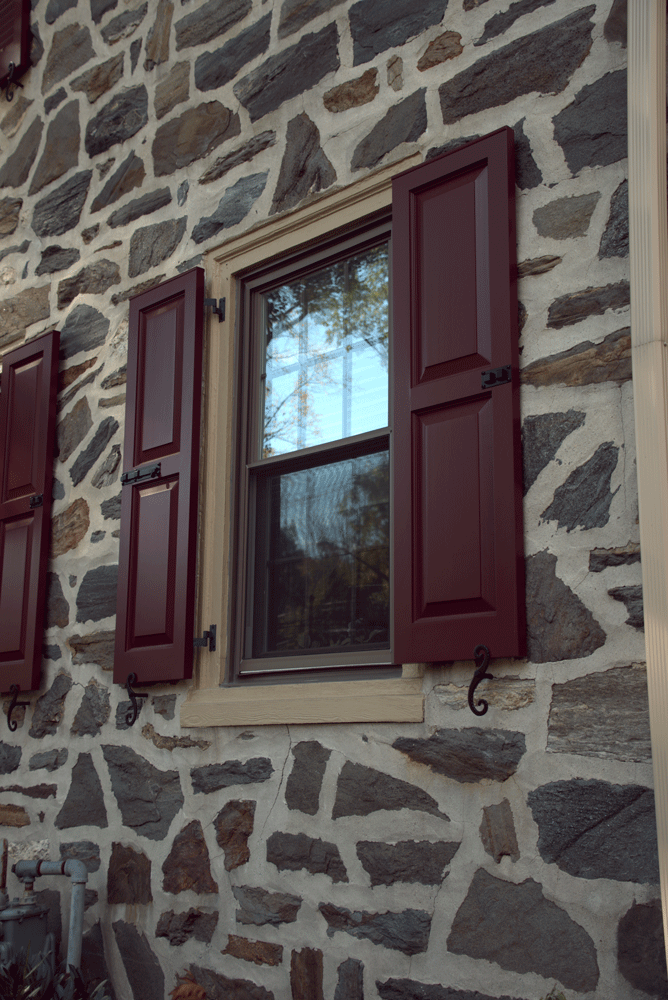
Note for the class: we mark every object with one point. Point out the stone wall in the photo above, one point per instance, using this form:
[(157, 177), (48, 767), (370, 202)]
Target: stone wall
[(461, 858)]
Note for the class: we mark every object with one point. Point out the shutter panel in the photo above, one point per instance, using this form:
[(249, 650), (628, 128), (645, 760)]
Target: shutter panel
[(157, 568), (458, 551), (27, 427), (14, 38)]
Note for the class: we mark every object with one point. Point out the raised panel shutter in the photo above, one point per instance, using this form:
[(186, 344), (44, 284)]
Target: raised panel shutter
[(458, 554), (14, 38), (27, 427), (157, 567)]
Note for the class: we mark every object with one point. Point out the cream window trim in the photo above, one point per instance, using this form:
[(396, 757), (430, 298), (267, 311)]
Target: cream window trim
[(207, 703)]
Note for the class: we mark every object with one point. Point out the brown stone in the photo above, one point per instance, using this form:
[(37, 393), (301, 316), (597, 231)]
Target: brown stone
[(9, 215), (92, 280), (395, 72), (11, 815), (537, 265), (575, 306), (97, 81), (11, 123), (68, 528), (70, 375), (173, 90), (187, 866), (260, 952), (172, 742), (128, 876), (566, 217), (445, 46), (306, 974), (98, 647), (112, 400), (504, 693), (622, 555), (157, 43), (234, 825), (179, 927), (73, 428), (15, 169), (497, 832), (193, 135), (70, 49), (352, 94), (57, 608), (584, 364), (20, 311)]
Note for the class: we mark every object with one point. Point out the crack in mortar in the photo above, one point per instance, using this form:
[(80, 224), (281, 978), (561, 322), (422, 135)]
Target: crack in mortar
[(280, 784)]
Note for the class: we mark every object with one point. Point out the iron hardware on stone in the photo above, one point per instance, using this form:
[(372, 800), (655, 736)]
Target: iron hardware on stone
[(36, 500), (137, 475), (135, 698), (495, 376), (11, 82), (14, 689), (481, 654), (208, 639), (218, 306)]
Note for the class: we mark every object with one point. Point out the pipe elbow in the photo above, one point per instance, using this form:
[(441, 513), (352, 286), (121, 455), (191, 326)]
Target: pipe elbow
[(76, 870)]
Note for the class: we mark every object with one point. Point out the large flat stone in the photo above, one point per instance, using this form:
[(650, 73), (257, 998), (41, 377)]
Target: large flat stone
[(295, 14), (352, 94), (18, 312), (157, 41), (129, 175), (71, 48), (97, 647), (306, 974), (417, 861), (120, 119), (378, 25), (181, 927), (258, 952), (84, 804), (221, 987), (259, 906), (499, 23), (134, 209), (17, 166), (60, 210), (94, 968), (467, 755), (173, 90), (615, 239), (592, 131), (87, 458), (145, 975), (209, 21), (350, 980), (61, 150), (440, 49), (576, 306), (97, 81), (296, 851), (256, 144), (559, 626), (566, 218), (233, 826), (128, 876), (304, 169), (187, 866), (147, 797), (9, 215), (192, 135), (212, 777), (362, 790), (94, 279), (214, 69), (93, 711), (55, 258), (542, 436), (404, 122), (584, 364), (50, 760), (234, 206), (302, 789), (641, 952), (125, 25), (49, 708), (150, 245), (84, 329), (406, 931), (583, 500)]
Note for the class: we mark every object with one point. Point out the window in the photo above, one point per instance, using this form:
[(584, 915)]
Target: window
[(14, 41)]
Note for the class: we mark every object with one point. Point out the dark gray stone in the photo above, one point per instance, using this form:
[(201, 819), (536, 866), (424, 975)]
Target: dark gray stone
[(97, 536), (56, 258), (566, 218), (93, 963), (119, 377), (519, 929), (234, 206), (585, 364), (98, 8), (542, 62), (615, 239), (264, 89), (10, 757), (220, 987), (135, 49), (192, 135), (111, 508), (505, 19), (626, 555), (153, 244), (212, 777), (404, 122), (73, 428), (583, 501), (122, 710), (592, 130), (304, 169), (52, 102), (138, 289), (150, 202), (378, 25), (410, 989), (467, 755), (180, 927), (85, 460), (57, 608), (497, 832), (147, 797), (362, 790), (295, 14), (302, 790), (542, 436), (209, 21), (641, 952), (91, 280), (407, 931), (146, 978), (182, 192), (593, 829), (295, 851), (258, 906), (527, 172), (157, 40), (82, 850), (129, 175), (120, 119), (21, 248), (51, 899), (36, 45), (48, 711), (84, 805), (61, 150), (187, 866), (51, 651), (55, 8), (84, 329), (215, 69), (350, 980), (70, 49), (16, 167), (96, 598), (234, 825), (93, 711), (59, 211), (407, 861), (50, 760), (58, 493), (559, 626), (615, 28), (632, 598), (128, 876), (124, 25)]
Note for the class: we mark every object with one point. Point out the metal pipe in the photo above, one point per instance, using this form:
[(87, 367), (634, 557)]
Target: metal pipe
[(28, 871)]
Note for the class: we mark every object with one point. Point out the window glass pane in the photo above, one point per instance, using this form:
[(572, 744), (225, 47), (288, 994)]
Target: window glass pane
[(322, 558), (326, 355)]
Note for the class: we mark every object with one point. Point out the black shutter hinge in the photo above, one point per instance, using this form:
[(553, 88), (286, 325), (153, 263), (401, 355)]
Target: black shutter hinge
[(208, 639), (495, 376), (137, 475), (36, 500), (218, 306), (11, 82)]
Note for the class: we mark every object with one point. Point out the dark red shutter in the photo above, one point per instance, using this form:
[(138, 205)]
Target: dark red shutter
[(14, 38), (156, 578), (27, 427), (458, 554)]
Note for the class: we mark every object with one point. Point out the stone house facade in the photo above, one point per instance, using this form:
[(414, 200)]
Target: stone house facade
[(436, 856)]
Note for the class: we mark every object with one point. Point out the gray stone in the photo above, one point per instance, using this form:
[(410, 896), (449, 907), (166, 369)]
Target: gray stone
[(295, 14), (36, 45), (16, 167), (153, 244), (128, 876), (440, 49), (258, 906), (592, 130), (55, 8), (147, 797), (50, 760), (124, 25), (350, 980), (122, 710), (82, 850), (52, 102), (48, 711), (407, 931), (107, 473), (641, 952), (614, 704), (615, 28), (111, 508), (61, 150), (625, 555), (13, 119), (410, 989), (51, 899), (91, 280), (407, 861), (9, 215), (209, 21), (362, 790), (119, 377), (233, 826), (497, 832), (10, 757), (93, 964), (214, 69), (148, 203), (295, 851), (467, 755), (18, 312), (85, 459), (615, 239), (129, 175), (212, 777), (264, 89), (59, 211), (173, 90), (187, 866), (593, 829), (97, 81), (145, 975), (180, 927), (182, 192), (220, 987), (404, 122), (191, 136), (51, 651), (585, 364), (559, 626), (58, 491), (120, 119), (84, 805), (306, 974), (542, 436), (583, 501), (98, 8), (537, 265), (138, 289), (97, 647), (378, 25), (164, 705), (42, 791), (234, 206), (302, 790), (632, 598), (542, 62), (519, 929), (73, 428), (56, 258), (96, 598), (566, 218), (395, 72), (93, 711), (505, 19), (89, 234), (57, 608), (70, 49), (304, 169), (157, 40), (353, 93)]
